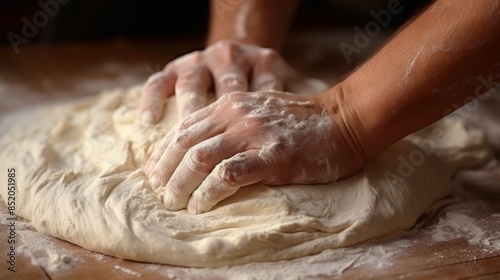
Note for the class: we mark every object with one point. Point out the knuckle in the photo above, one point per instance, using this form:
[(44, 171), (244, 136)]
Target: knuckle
[(274, 154), (185, 123), (189, 78), (155, 79), (235, 102), (230, 175), (270, 55), (169, 67), (194, 57), (230, 97), (229, 49), (232, 171), (197, 56), (190, 74), (231, 80), (183, 140), (226, 45), (198, 159)]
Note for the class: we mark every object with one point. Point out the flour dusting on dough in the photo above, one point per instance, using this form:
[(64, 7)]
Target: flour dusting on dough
[(81, 179)]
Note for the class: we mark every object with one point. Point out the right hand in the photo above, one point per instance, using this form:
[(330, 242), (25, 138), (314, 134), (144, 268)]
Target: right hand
[(269, 137), (225, 66)]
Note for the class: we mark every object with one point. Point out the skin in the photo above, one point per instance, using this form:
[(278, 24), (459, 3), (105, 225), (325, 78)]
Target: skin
[(423, 73), (225, 66)]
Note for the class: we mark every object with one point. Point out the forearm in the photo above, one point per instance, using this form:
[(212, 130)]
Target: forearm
[(429, 68), (259, 22)]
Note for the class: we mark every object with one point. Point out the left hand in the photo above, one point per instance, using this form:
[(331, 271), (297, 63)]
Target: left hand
[(225, 66), (270, 137)]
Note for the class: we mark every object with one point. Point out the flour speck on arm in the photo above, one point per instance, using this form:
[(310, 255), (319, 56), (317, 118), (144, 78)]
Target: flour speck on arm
[(242, 20)]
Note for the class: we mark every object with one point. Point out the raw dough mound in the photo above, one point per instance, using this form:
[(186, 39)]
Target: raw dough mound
[(79, 178)]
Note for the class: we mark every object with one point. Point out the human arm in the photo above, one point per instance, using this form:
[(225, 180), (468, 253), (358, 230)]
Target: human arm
[(428, 67), (255, 22)]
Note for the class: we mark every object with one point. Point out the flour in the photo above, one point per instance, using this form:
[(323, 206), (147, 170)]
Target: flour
[(192, 101), (128, 271), (81, 179), (265, 81), (378, 254), (242, 19), (42, 250), (456, 223), (56, 261), (413, 61), (289, 127), (100, 257), (233, 80), (375, 255)]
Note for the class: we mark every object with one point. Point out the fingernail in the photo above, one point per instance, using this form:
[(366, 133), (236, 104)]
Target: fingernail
[(147, 117), (168, 201), (155, 182)]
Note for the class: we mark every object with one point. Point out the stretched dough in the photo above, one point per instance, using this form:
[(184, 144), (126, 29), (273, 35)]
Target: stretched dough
[(79, 178)]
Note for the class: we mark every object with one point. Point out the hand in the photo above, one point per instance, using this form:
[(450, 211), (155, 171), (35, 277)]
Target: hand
[(229, 65), (244, 138)]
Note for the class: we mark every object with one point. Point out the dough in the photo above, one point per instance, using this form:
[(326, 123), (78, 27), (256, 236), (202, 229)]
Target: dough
[(79, 178)]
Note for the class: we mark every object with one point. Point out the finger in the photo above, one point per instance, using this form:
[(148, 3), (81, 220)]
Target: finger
[(182, 125), (198, 162), (241, 170), (230, 81), (191, 90), (158, 151), (155, 91), (268, 72), (181, 142), (227, 62)]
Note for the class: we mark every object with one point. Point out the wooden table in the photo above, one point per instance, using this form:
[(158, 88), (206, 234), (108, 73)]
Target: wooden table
[(41, 74)]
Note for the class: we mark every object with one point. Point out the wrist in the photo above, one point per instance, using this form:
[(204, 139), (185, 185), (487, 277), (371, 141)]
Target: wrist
[(337, 103), (370, 115)]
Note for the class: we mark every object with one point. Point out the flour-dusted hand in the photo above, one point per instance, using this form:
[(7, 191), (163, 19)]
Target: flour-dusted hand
[(225, 66), (243, 138)]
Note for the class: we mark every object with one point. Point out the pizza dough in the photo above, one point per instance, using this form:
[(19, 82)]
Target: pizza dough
[(79, 178)]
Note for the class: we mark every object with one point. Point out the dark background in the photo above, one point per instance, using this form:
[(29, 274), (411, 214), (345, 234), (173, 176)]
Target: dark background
[(97, 20)]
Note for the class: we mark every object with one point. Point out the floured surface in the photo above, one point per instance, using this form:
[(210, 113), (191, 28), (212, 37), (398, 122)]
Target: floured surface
[(80, 179), (464, 221)]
